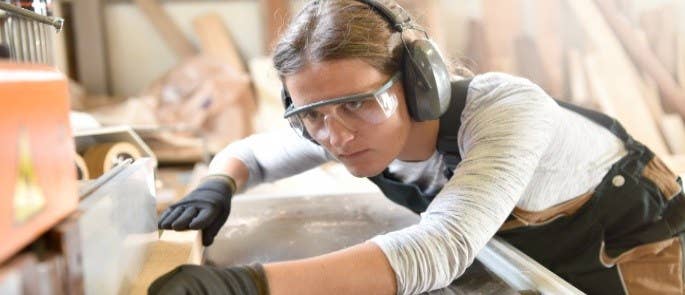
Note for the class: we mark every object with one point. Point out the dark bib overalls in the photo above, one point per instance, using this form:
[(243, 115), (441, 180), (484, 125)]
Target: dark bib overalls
[(624, 237)]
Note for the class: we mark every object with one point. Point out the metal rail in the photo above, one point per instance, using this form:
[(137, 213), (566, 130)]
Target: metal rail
[(56, 22), (25, 35)]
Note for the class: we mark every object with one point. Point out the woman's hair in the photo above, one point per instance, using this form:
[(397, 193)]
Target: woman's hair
[(327, 30), (330, 30)]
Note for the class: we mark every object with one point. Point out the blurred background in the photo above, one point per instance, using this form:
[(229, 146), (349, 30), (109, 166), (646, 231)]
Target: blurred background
[(125, 55), (150, 90)]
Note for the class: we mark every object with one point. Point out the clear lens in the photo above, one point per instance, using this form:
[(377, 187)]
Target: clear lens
[(352, 114), (351, 111)]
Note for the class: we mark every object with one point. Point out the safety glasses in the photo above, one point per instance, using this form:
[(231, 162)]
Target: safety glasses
[(354, 111)]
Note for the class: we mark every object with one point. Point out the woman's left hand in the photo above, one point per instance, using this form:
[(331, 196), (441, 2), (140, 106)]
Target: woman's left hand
[(198, 279)]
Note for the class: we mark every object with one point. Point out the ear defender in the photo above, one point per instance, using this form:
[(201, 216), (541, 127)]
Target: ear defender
[(425, 78), (426, 81)]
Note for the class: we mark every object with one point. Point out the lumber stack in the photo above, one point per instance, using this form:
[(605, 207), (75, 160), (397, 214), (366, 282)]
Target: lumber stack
[(200, 105), (605, 55), (609, 55)]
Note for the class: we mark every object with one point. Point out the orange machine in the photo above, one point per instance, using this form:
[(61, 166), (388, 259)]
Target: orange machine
[(37, 175)]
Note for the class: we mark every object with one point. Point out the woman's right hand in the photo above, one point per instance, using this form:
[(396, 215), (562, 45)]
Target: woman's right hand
[(206, 208)]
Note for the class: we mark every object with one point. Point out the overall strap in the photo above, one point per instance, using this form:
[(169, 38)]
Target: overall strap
[(409, 195), (450, 121)]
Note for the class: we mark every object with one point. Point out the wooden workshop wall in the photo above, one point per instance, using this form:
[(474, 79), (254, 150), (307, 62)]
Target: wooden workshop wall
[(138, 54), (131, 39)]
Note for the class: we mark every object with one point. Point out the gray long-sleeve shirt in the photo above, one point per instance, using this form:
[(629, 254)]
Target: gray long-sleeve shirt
[(519, 149)]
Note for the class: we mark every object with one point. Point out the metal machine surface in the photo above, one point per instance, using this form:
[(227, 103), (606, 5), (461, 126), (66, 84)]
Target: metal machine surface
[(264, 229), (117, 223)]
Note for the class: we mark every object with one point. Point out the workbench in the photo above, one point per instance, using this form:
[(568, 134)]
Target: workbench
[(270, 228)]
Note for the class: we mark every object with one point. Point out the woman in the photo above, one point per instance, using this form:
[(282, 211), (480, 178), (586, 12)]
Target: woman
[(473, 156)]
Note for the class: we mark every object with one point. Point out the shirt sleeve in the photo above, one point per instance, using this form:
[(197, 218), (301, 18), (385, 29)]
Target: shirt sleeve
[(506, 127), (273, 155)]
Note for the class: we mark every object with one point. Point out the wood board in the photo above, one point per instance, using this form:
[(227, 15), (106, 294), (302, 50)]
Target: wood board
[(614, 73), (170, 32), (216, 40), (644, 58), (174, 248)]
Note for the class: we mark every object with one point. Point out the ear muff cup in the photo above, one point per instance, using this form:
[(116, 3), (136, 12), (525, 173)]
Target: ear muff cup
[(425, 101)]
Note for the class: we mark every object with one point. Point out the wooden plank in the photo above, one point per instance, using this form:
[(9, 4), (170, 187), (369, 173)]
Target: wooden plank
[(276, 13), (477, 50), (268, 90), (598, 90), (644, 58), (59, 44), (681, 59), (166, 27), (650, 92), (174, 248), (543, 19), (660, 26), (612, 70), (92, 68), (216, 40), (626, 7), (578, 84), (530, 63), (666, 44), (674, 132), (502, 22), (573, 32)]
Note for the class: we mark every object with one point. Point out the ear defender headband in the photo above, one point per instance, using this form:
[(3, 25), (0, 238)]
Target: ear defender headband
[(426, 81)]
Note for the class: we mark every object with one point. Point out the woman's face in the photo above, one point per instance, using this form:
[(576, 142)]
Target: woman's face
[(364, 148)]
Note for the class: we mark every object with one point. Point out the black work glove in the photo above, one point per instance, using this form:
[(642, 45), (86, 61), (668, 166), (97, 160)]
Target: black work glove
[(206, 208), (199, 279)]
